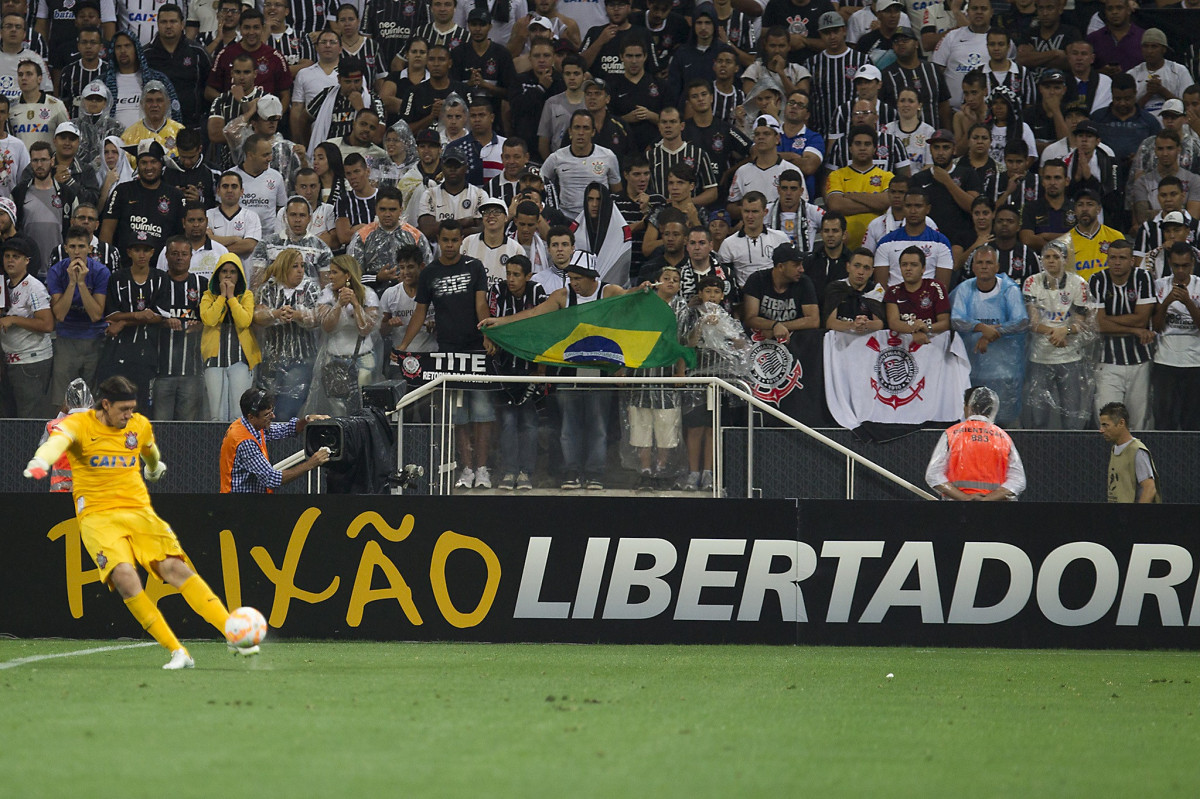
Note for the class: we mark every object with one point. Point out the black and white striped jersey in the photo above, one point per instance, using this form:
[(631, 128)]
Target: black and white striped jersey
[(1118, 301)]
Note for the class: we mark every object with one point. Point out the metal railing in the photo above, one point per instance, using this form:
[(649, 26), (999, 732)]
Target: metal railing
[(443, 472)]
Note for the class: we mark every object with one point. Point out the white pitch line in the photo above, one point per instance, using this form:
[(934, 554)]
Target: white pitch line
[(10, 664)]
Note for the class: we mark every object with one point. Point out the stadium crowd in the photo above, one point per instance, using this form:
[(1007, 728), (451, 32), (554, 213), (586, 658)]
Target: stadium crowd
[(210, 196)]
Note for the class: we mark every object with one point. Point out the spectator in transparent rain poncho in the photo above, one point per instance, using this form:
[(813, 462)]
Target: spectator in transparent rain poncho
[(401, 148), (295, 234), (1060, 377), (114, 167), (765, 99), (348, 313), (975, 460), (376, 244), (78, 400), (286, 310), (988, 312), (452, 124), (721, 351)]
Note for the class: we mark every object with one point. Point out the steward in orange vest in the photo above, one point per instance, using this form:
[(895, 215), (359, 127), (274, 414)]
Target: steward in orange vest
[(975, 459)]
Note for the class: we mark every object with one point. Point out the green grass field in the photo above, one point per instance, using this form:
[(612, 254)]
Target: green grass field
[(320, 719)]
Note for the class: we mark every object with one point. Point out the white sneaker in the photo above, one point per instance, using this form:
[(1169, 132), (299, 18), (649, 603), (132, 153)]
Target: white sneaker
[(244, 651), (466, 478), (180, 659), (482, 478)]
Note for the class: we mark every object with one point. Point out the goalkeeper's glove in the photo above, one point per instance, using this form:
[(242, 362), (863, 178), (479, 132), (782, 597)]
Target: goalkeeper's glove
[(37, 469), (154, 473)]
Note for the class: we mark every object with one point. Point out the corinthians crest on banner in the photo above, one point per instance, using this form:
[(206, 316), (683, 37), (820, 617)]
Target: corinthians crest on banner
[(789, 375), (886, 378)]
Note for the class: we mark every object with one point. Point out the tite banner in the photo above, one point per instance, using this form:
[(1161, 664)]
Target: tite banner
[(641, 570)]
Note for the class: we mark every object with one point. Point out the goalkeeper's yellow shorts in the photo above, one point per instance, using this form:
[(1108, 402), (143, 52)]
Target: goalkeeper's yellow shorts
[(128, 535)]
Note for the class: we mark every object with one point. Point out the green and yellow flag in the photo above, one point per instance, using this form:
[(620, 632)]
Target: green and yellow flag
[(635, 330)]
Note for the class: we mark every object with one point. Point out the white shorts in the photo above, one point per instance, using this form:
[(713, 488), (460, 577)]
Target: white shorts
[(649, 426)]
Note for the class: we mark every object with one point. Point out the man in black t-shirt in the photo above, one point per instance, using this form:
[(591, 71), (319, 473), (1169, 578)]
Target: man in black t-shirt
[(456, 286), (482, 64), (392, 24), (602, 44), (950, 189), (637, 96), (424, 106), (781, 300), (146, 209), (801, 19)]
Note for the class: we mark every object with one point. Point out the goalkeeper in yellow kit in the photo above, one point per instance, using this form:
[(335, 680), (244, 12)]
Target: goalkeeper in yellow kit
[(118, 526)]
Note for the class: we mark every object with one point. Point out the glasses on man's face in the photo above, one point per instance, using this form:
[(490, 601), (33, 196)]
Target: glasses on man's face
[(13, 26), (863, 113), (796, 104)]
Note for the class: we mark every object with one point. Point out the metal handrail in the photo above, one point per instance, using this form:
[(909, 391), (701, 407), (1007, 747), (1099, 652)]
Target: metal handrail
[(749, 398), (439, 383)]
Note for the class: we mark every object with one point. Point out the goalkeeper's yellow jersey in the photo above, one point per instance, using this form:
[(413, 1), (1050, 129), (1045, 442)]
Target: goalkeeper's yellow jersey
[(105, 462), (1091, 253)]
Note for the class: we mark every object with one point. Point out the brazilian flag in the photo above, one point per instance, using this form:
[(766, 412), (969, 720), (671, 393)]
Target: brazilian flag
[(636, 330)]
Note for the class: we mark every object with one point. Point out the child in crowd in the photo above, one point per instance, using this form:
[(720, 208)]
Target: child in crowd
[(397, 305), (721, 350)]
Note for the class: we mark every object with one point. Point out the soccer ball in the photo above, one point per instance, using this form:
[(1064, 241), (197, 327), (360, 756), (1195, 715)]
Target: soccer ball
[(245, 627)]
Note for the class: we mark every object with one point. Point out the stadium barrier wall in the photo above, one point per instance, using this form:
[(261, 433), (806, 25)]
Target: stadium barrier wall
[(582, 570), (1062, 466)]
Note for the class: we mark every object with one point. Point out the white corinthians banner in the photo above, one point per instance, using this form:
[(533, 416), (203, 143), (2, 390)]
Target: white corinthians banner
[(886, 378)]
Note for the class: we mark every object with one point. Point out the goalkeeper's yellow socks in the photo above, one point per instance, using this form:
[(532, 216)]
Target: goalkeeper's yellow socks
[(152, 621), (202, 600)]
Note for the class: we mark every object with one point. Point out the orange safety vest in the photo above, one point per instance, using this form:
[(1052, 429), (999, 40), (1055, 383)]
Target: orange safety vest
[(237, 432), (979, 453), (61, 477)]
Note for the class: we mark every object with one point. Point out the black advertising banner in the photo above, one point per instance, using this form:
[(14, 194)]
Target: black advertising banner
[(1004, 575), (642, 570)]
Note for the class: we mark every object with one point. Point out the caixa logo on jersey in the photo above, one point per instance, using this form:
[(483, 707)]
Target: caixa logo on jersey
[(896, 372), (776, 371)]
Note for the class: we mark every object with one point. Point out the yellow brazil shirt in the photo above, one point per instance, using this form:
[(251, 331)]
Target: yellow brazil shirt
[(1091, 252), (849, 180), (104, 462)]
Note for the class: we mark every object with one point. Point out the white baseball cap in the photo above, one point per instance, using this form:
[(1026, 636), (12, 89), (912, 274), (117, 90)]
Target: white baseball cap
[(868, 72), (269, 106), (768, 121)]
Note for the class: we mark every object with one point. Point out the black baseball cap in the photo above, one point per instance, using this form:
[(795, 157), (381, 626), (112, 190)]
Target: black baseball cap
[(1087, 126), (785, 253), (429, 136), (1052, 76)]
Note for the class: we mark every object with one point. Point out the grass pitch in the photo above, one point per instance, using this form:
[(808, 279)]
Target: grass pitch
[(320, 719)]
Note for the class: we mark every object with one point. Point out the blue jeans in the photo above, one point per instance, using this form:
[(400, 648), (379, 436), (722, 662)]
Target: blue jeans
[(584, 433), (179, 399), (518, 438), (225, 386)]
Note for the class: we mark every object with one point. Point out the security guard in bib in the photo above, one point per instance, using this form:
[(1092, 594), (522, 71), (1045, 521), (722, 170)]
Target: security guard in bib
[(1132, 475), (976, 460)]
